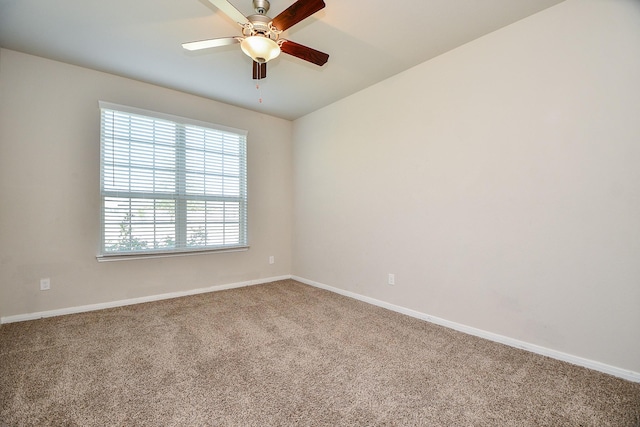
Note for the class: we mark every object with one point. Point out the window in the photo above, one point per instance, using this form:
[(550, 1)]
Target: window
[(170, 184)]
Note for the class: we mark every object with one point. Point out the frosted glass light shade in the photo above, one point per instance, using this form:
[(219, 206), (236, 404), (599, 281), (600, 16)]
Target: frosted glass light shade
[(260, 49)]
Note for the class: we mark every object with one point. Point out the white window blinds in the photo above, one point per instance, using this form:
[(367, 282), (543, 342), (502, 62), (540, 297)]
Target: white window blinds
[(170, 184)]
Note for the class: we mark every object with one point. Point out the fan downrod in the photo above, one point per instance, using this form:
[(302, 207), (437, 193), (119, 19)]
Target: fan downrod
[(261, 6)]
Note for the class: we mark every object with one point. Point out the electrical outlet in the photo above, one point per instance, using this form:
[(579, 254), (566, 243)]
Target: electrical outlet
[(272, 259), (392, 279), (45, 284)]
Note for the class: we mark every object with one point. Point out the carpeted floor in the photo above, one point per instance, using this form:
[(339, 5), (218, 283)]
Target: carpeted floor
[(286, 354)]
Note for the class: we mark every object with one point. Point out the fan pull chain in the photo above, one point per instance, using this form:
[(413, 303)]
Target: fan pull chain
[(259, 93), (258, 88)]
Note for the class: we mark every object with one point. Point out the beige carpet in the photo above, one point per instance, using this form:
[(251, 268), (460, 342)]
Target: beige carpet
[(286, 354)]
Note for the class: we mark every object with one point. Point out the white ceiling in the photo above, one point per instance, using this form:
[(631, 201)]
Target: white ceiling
[(368, 41)]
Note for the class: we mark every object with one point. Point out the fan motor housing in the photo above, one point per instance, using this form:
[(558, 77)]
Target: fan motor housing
[(260, 25)]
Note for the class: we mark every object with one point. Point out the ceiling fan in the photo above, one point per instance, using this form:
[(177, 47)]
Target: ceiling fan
[(260, 37)]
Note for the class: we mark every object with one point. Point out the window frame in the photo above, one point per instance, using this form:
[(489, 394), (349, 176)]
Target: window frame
[(180, 196)]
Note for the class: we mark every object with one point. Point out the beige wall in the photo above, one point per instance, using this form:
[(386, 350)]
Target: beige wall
[(49, 190), (499, 182)]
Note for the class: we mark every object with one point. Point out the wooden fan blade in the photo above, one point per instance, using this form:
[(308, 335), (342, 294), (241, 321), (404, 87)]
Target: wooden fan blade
[(259, 70), (296, 12), (205, 44), (304, 52), (230, 10)]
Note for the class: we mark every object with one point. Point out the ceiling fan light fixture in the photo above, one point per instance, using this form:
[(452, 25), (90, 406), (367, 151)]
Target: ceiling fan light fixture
[(260, 48)]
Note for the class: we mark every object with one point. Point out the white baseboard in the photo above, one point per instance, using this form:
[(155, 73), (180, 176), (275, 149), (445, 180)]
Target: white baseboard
[(575, 360), (122, 303)]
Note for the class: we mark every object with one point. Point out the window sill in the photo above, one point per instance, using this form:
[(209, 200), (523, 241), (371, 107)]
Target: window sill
[(132, 256)]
